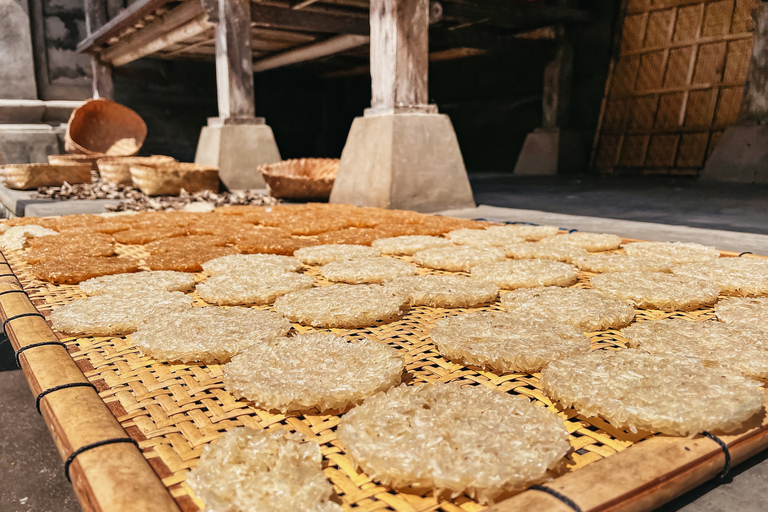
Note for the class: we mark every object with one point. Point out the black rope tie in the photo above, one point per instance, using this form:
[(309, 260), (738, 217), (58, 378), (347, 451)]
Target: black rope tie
[(572, 231), (743, 253), (8, 275), (14, 291), (87, 447), (565, 499), (62, 386), (726, 452), (33, 345), (14, 317)]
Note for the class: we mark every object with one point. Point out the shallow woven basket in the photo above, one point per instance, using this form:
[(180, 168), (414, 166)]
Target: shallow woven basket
[(75, 159), (117, 169), (32, 176), (168, 179), (103, 126), (303, 178)]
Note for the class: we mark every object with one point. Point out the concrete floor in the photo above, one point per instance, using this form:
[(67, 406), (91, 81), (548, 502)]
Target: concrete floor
[(31, 469)]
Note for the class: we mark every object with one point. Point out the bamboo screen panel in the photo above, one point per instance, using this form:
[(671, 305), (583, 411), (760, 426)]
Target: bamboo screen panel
[(676, 84)]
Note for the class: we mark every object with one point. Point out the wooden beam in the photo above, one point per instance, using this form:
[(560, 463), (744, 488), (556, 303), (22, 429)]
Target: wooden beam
[(517, 15), (312, 51), (556, 101), (95, 17), (176, 25), (399, 56), (137, 11), (234, 68), (269, 16)]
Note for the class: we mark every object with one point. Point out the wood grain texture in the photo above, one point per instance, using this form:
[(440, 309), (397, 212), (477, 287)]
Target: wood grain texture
[(234, 69), (399, 54), (95, 18)]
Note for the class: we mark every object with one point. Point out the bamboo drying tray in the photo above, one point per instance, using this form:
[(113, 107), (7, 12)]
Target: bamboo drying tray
[(173, 410)]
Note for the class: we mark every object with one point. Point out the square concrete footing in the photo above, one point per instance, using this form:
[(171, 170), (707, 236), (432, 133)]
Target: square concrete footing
[(550, 151), (407, 161), (741, 156), (238, 150), (28, 143)]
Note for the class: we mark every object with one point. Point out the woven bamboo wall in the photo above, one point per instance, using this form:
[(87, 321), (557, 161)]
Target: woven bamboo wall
[(676, 84)]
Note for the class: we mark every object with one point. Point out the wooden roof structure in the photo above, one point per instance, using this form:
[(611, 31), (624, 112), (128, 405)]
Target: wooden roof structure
[(284, 32)]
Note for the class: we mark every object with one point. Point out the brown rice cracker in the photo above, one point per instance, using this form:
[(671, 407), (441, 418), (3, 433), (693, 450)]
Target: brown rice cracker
[(208, 334), (735, 276), (453, 439), (457, 258), (366, 270), (342, 306), (269, 245), (444, 291), (322, 254), (72, 270), (187, 261), (592, 242), (186, 243), (108, 315), (586, 309), (312, 371), (69, 245), (256, 289), (506, 342), (165, 280), (656, 290), (666, 393), (145, 235), (673, 252), (743, 310), (513, 274)]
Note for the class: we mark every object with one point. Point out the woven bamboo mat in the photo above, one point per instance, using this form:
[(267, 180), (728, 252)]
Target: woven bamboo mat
[(175, 410)]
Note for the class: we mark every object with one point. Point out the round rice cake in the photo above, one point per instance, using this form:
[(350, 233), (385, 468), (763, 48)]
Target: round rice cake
[(68, 245), (312, 371), (208, 334), (140, 236), (14, 237), (752, 310), (409, 244), (743, 348), (251, 263), (120, 313), (183, 261), (483, 237), (506, 342), (735, 276), (322, 254), (73, 270), (586, 309), (666, 393), (166, 280), (452, 438), (186, 243), (656, 290), (260, 470), (347, 306), (592, 242), (366, 270), (235, 288), (620, 263), (526, 231), (537, 251), (673, 252), (444, 291), (513, 274), (271, 245), (457, 258)]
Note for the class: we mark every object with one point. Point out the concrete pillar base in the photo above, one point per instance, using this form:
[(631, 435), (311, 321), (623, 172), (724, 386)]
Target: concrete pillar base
[(550, 151), (238, 150), (28, 143), (741, 156), (404, 161)]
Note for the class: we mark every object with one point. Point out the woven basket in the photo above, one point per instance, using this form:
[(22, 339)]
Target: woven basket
[(75, 159), (117, 169), (168, 179), (32, 176), (103, 126), (303, 178)]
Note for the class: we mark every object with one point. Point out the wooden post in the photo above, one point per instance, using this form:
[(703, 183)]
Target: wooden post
[(234, 67), (556, 102), (95, 18), (399, 56)]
